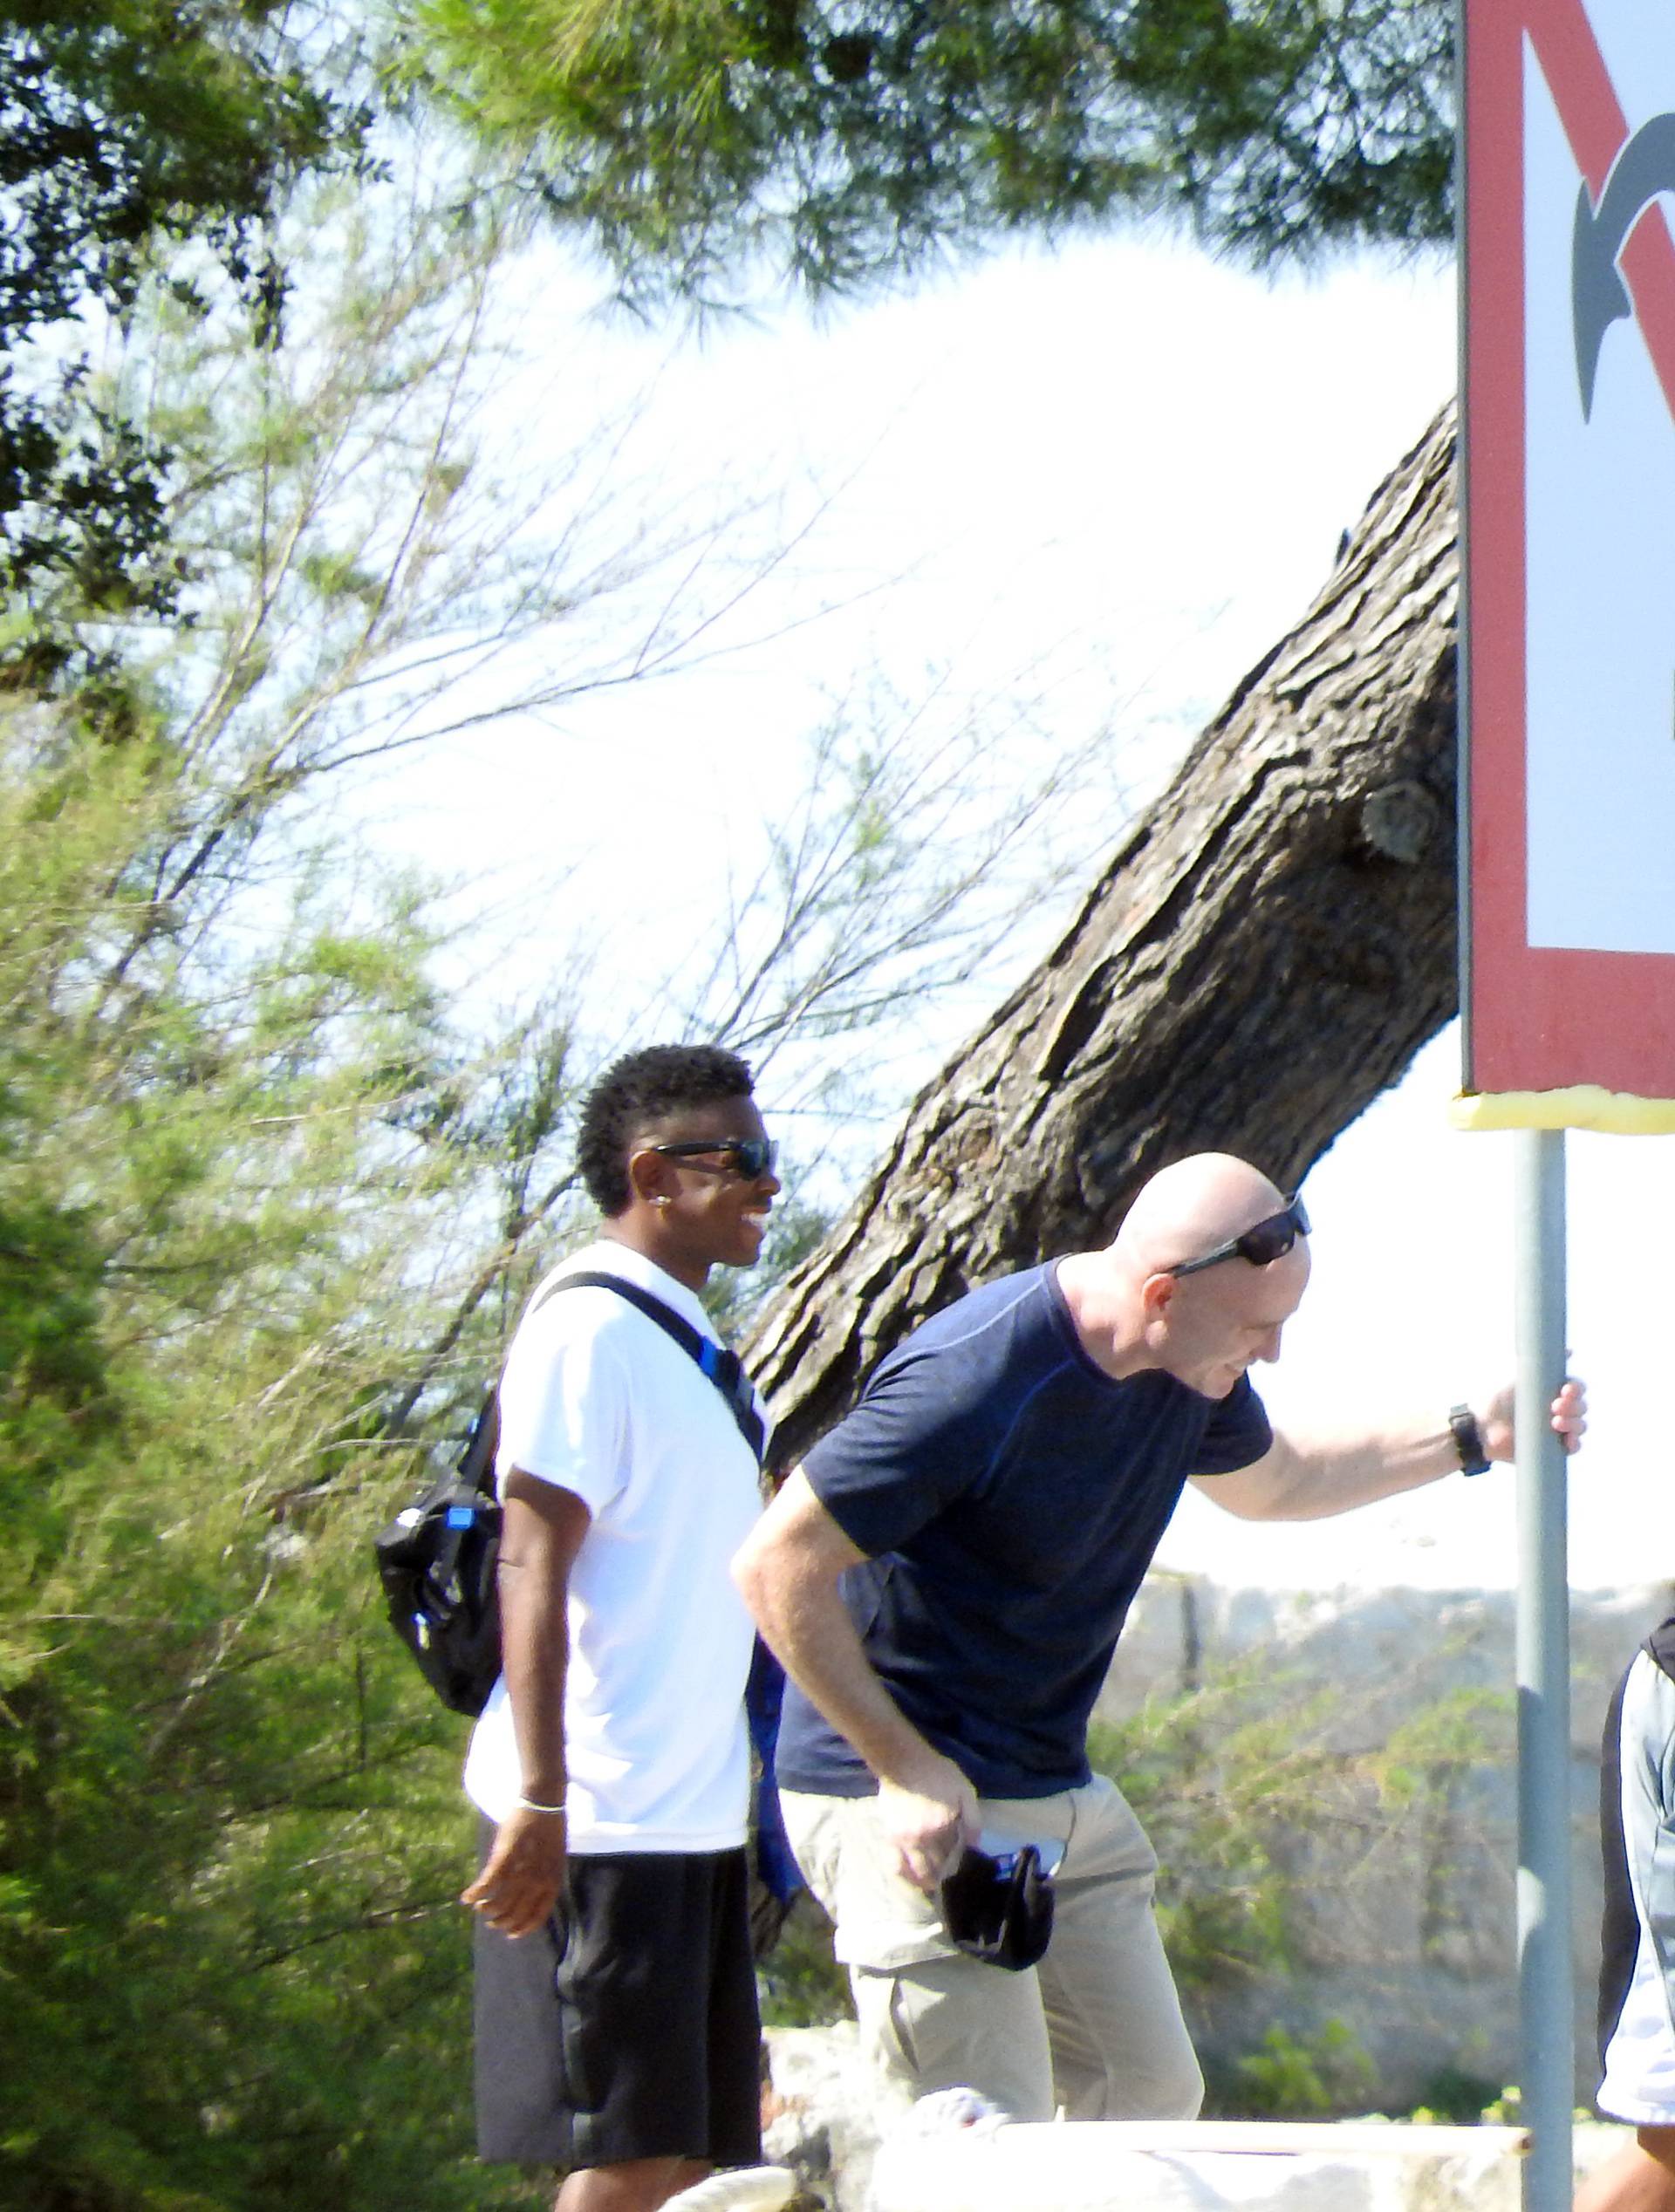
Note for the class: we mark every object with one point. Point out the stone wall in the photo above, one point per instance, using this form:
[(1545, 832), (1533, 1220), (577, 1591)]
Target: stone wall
[(1406, 1916)]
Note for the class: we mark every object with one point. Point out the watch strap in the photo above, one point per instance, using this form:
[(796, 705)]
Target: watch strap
[(1469, 1441)]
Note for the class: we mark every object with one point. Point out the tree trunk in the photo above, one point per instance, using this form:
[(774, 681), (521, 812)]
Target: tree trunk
[(1270, 945)]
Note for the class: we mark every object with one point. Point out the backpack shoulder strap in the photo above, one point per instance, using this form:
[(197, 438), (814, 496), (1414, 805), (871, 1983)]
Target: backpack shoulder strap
[(722, 1367), (476, 1464)]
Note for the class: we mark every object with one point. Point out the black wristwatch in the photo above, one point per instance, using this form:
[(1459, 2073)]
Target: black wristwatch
[(1469, 1441)]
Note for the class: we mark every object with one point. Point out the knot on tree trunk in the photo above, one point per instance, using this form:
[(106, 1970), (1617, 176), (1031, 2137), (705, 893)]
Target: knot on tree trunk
[(1398, 821)]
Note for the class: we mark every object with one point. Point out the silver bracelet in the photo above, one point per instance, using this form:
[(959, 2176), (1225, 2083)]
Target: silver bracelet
[(529, 1805)]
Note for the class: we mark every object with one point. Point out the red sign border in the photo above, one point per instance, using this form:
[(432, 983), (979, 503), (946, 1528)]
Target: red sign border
[(1537, 1019)]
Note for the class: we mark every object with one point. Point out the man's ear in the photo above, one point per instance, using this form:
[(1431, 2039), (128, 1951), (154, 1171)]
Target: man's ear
[(651, 1176), (1157, 1296)]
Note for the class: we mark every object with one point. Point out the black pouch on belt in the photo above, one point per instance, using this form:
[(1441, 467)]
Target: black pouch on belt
[(1000, 1910)]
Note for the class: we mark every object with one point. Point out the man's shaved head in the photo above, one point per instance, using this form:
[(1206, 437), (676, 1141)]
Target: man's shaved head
[(1188, 1209), (1131, 1309)]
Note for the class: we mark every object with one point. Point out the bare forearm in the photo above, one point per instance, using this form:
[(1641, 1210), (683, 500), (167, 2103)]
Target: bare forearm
[(540, 1533), (1309, 1476), (814, 1639), (535, 1656)]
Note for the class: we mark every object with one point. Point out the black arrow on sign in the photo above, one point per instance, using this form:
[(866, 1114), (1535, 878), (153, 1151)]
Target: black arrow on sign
[(1644, 167)]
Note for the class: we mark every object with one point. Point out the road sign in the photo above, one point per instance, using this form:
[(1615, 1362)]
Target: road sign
[(1567, 766), (1569, 907)]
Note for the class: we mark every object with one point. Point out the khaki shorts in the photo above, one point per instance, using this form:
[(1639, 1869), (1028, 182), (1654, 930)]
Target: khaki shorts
[(1095, 2030)]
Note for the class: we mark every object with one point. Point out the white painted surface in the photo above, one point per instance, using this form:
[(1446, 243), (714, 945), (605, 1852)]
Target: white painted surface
[(1601, 560), (1093, 2166)]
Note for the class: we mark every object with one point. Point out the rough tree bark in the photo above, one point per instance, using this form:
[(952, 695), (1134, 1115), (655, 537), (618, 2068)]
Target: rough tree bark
[(1270, 945)]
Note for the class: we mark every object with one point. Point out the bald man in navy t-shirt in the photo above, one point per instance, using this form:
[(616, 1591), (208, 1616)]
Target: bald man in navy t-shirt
[(946, 1578)]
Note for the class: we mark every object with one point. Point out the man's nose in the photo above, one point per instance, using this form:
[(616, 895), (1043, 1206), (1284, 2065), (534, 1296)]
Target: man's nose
[(1268, 1349)]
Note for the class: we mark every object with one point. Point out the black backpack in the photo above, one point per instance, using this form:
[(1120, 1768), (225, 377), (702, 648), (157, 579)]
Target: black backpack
[(436, 1559)]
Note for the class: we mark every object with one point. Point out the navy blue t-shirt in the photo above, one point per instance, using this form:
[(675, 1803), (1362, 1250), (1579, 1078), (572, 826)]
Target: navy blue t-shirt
[(1009, 1495)]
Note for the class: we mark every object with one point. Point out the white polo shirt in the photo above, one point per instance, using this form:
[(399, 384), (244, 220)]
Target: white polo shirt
[(598, 1399)]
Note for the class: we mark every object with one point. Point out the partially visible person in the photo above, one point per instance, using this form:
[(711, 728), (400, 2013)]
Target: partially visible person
[(1636, 1974), (946, 1578), (617, 2035)]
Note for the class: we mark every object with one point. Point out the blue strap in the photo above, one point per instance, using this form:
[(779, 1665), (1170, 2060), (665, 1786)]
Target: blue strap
[(764, 1693)]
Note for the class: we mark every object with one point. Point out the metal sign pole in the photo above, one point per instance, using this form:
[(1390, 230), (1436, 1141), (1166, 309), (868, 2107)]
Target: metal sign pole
[(1546, 2006)]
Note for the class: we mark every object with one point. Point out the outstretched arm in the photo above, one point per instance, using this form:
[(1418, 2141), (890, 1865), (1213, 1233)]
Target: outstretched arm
[(540, 1533), (787, 1572), (1308, 1478)]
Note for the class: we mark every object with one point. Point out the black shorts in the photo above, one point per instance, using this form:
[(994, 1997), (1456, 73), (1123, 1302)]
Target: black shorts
[(627, 2027)]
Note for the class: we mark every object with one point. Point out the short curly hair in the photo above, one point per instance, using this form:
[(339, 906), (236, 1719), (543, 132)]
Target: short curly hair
[(636, 1091)]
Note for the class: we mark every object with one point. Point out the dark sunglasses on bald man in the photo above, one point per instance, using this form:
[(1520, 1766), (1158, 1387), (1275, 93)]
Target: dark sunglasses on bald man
[(750, 1157), (1267, 1241)]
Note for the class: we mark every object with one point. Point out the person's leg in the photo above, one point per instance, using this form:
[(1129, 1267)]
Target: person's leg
[(1638, 2178), (708, 1928), (1120, 2048), (636, 2185), (956, 2023), (930, 2017)]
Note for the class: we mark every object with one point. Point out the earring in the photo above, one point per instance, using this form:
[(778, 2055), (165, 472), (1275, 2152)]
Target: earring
[(660, 1200)]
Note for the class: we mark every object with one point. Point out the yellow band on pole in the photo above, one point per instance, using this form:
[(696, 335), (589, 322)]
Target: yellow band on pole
[(1583, 1106)]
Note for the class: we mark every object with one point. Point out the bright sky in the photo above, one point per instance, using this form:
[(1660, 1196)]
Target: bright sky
[(1125, 468)]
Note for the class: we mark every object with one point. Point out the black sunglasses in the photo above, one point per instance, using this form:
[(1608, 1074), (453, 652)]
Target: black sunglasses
[(750, 1157), (1267, 1241)]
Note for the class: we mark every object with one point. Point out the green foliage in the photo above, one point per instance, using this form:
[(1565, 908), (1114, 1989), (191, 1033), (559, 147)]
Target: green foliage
[(836, 141), (229, 1828), (1456, 2096), (1222, 1778), (1235, 1782), (799, 1983), (1450, 1736), (131, 126), (1305, 2077)]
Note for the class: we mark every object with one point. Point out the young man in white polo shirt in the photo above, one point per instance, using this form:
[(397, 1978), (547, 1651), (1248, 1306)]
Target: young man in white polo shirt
[(617, 2029)]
